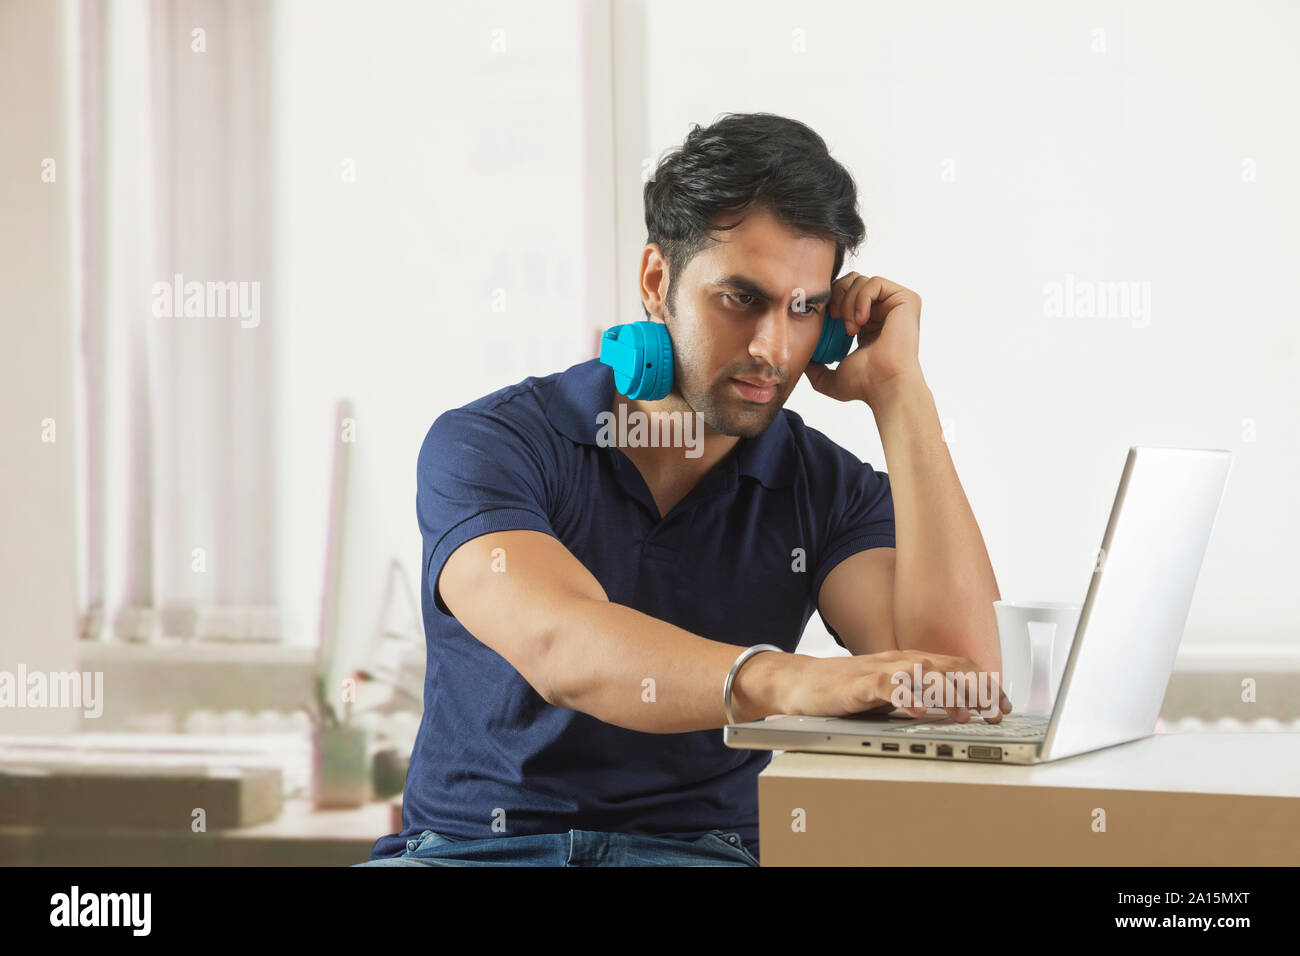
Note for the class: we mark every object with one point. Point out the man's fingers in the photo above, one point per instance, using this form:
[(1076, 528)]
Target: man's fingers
[(1001, 703), (962, 686), (839, 292), (847, 302), (858, 303)]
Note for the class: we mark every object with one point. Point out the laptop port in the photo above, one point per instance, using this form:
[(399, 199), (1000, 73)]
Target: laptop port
[(984, 753), (943, 750), (917, 748), (890, 747)]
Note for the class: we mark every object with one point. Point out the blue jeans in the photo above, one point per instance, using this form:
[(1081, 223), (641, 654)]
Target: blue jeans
[(575, 848)]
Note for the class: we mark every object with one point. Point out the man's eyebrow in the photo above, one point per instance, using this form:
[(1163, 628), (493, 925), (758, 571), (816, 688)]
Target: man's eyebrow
[(749, 287)]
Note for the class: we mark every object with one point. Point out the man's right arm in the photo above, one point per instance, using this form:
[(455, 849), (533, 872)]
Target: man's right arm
[(548, 616), (535, 604)]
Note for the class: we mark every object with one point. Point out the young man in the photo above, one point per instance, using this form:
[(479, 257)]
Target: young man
[(584, 602)]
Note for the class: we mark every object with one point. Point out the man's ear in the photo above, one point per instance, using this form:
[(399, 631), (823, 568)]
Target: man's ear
[(652, 259)]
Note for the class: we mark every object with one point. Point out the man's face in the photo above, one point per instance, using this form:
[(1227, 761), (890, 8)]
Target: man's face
[(735, 316)]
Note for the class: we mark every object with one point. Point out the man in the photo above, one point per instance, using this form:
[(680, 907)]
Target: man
[(584, 603)]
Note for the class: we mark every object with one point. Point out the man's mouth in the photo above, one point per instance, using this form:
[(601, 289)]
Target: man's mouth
[(755, 390)]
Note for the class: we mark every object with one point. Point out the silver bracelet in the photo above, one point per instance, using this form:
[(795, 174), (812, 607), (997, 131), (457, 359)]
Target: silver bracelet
[(745, 655)]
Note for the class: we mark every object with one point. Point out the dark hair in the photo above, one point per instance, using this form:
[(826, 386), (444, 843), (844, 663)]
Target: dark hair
[(742, 160)]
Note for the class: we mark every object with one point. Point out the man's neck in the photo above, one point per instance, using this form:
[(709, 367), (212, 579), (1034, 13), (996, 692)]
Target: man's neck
[(671, 462)]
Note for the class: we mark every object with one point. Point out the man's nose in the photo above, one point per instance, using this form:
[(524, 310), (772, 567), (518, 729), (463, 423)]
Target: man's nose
[(771, 342)]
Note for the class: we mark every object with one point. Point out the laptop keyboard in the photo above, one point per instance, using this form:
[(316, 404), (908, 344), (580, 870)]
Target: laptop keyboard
[(1013, 725)]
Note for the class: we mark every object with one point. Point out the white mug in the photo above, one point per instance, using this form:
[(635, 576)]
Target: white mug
[(1035, 638)]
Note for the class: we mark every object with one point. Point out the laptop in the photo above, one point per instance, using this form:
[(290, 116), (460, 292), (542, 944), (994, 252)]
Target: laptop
[(1123, 650)]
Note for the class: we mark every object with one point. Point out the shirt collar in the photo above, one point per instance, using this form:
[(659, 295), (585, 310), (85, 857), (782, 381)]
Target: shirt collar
[(585, 390)]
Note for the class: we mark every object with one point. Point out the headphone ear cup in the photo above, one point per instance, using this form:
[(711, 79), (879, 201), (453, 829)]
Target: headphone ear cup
[(653, 377), (834, 343), (659, 344), (641, 355)]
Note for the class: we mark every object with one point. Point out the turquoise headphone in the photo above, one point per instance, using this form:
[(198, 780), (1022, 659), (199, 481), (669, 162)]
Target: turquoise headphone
[(641, 355)]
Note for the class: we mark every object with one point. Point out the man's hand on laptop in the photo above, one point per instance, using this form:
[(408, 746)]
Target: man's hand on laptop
[(841, 686)]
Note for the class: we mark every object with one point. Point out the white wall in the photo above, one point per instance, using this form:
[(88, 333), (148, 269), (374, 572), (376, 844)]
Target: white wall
[(37, 508), (997, 148), (1116, 164), (464, 123), (498, 146)]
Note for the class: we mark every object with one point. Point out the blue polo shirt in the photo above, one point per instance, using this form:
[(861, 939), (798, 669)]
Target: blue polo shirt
[(740, 559)]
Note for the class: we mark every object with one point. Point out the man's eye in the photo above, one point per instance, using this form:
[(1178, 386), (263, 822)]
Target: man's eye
[(808, 312)]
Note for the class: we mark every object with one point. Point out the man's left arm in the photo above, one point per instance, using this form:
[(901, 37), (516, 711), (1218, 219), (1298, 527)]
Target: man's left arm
[(943, 587)]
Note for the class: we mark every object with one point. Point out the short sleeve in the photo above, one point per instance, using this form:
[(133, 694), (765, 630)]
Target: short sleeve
[(862, 518), (478, 471)]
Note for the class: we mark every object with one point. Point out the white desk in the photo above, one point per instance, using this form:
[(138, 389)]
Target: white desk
[(1169, 800)]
